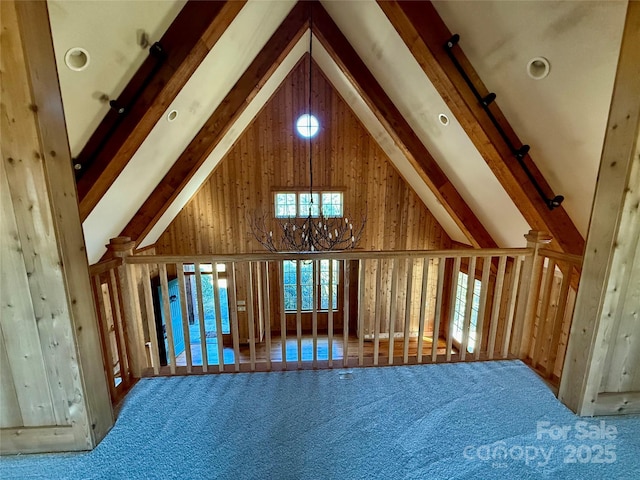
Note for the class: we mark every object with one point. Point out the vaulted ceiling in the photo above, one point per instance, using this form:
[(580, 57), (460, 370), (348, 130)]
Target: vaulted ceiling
[(222, 61)]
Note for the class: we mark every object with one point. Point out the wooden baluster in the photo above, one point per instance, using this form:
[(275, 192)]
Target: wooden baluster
[(203, 331), (217, 309), (438, 310), (454, 290), (251, 319), (513, 292), (393, 311), (164, 287), (283, 316), (299, 311), (495, 311), (267, 314), (376, 332), (233, 312), (151, 319), (185, 316), (122, 247), (345, 314), (103, 321), (362, 275), (122, 340), (407, 312), (466, 324), (423, 308), (529, 291), (554, 342), (484, 289), (330, 317), (542, 330), (314, 311)]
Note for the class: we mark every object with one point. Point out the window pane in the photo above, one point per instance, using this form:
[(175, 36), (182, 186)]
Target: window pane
[(306, 204), (332, 204), (285, 205)]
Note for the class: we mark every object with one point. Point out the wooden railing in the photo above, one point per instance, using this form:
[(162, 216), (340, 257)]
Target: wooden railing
[(556, 295), (232, 313), (107, 293)]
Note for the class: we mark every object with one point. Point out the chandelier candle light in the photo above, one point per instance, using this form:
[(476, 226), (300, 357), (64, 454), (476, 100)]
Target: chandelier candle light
[(319, 230)]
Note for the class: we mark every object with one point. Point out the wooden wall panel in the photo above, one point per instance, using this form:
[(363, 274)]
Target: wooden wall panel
[(51, 350)]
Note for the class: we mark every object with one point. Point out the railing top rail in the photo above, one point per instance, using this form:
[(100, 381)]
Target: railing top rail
[(105, 266), (565, 257), (346, 255)]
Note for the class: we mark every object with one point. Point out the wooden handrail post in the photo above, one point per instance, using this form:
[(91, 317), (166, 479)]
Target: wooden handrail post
[(122, 247), (528, 294)]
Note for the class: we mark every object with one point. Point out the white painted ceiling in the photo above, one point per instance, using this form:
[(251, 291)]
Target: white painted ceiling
[(562, 117)]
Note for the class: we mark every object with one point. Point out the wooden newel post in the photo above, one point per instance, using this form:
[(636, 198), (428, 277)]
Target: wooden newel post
[(123, 247), (528, 294)]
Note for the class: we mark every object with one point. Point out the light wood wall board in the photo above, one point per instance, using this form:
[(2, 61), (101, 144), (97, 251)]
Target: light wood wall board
[(609, 252), (44, 248)]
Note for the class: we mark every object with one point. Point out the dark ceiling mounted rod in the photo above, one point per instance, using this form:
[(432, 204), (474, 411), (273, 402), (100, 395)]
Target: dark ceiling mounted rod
[(122, 110), (519, 153)]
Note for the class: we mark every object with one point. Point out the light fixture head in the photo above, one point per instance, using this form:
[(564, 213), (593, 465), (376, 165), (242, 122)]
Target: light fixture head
[(307, 125), (77, 59), (538, 68)]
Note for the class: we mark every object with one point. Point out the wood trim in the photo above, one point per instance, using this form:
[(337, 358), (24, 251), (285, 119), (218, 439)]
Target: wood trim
[(186, 43), (38, 439), (617, 403), (425, 34), (344, 255), (378, 101), (231, 107)]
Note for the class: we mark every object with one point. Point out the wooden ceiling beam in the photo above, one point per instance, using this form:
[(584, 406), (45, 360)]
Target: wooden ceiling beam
[(374, 95), (219, 123), (425, 34), (186, 43)]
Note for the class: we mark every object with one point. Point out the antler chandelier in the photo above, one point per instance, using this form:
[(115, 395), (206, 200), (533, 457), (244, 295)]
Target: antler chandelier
[(317, 231)]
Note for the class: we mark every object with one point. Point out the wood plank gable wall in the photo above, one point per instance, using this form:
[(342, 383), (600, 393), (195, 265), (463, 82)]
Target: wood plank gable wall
[(270, 155)]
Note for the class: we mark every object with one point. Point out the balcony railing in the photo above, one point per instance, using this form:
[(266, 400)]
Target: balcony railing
[(176, 315)]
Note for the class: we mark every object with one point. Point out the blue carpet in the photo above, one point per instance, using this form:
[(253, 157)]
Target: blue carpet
[(466, 420)]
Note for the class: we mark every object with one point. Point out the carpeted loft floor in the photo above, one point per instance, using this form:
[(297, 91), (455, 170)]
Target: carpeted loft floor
[(466, 420)]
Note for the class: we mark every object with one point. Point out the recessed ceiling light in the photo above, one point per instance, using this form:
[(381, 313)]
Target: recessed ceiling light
[(307, 125), (77, 59), (538, 68), (444, 120), (173, 114)]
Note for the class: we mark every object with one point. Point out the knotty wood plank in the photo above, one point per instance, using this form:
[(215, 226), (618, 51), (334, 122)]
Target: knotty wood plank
[(374, 95), (425, 34), (186, 43), (214, 129)]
